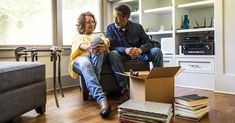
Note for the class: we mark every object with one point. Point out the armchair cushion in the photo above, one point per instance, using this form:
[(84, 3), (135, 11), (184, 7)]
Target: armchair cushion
[(18, 74)]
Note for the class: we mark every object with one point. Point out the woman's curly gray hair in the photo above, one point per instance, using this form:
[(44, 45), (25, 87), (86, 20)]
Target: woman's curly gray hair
[(81, 22)]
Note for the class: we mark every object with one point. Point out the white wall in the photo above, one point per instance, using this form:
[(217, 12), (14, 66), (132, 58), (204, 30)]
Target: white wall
[(225, 68)]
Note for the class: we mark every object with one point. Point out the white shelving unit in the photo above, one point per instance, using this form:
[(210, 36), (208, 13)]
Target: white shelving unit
[(159, 33), (157, 18), (135, 13), (195, 30), (159, 10), (199, 69), (195, 56), (163, 19), (134, 5), (197, 5)]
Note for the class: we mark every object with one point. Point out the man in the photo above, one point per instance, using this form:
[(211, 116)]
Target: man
[(128, 40)]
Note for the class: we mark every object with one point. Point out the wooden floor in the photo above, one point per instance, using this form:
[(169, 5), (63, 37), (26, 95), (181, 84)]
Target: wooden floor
[(74, 110)]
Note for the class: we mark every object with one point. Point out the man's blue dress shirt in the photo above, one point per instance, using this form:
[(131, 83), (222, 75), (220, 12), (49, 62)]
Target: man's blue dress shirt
[(133, 36)]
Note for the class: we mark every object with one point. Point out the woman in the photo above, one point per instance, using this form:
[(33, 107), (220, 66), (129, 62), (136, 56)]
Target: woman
[(87, 58)]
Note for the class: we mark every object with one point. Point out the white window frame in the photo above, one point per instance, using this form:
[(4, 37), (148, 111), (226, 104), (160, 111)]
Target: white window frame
[(57, 35)]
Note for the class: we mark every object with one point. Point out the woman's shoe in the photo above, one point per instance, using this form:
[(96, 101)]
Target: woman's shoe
[(105, 109), (105, 112)]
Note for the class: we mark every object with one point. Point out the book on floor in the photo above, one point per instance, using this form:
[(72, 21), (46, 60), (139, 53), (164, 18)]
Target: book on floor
[(192, 100), (177, 105), (147, 107), (123, 120), (192, 113), (145, 111), (130, 119), (191, 107), (190, 118)]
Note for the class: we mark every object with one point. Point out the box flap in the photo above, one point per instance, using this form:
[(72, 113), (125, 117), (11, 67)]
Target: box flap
[(142, 74), (160, 72), (180, 71)]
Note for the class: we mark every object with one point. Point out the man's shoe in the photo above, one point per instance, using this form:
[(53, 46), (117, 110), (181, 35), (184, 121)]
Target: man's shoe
[(124, 97), (105, 109)]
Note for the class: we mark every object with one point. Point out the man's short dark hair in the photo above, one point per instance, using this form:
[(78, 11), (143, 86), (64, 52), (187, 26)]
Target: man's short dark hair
[(126, 11)]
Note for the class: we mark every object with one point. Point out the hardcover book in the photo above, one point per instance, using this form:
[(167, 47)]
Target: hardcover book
[(145, 111), (191, 118), (193, 108), (192, 100), (130, 119), (147, 107), (195, 114)]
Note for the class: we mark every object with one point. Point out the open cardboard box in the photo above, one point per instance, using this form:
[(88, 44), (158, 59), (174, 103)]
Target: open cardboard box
[(156, 85)]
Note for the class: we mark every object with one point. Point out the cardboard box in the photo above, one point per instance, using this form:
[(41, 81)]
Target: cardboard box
[(156, 85)]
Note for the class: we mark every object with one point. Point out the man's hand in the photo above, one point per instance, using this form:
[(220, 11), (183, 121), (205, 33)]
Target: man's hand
[(128, 51), (137, 51), (133, 51)]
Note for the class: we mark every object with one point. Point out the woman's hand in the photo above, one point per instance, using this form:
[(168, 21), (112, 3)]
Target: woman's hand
[(98, 49)]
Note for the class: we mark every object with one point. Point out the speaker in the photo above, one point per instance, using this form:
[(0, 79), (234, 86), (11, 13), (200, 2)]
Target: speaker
[(167, 46)]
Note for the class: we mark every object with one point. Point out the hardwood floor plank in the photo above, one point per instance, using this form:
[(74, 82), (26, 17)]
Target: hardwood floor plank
[(74, 110)]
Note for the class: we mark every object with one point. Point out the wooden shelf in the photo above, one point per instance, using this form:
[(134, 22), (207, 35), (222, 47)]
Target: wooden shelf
[(159, 33), (159, 10), (197, 5), (195, 30)]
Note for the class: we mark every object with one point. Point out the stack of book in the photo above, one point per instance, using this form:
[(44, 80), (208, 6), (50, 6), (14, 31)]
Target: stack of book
[(133, 111), (192, 107)]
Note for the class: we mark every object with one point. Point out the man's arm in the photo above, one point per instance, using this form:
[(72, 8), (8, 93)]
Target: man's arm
[(146, 42), (114, 43)]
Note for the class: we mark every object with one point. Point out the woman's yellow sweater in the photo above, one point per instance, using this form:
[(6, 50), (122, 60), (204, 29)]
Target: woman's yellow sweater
[(76, 51)]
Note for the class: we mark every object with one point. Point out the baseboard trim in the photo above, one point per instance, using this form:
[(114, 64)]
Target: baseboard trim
[(208, 89), (224, 92), (51, 91)]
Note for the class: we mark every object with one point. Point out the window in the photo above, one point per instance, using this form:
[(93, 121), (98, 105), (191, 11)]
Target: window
[(71, 9), (30, 22), (26, 22)]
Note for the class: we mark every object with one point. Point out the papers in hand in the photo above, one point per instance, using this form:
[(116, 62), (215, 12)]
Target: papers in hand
[(97, 41), (97, 45)]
